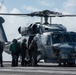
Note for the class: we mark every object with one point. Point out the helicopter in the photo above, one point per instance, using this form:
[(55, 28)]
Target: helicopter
[(55, 43)]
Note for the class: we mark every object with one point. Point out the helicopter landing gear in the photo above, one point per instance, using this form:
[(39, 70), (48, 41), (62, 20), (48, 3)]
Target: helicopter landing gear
[(62, 64), (66, 64), (70, 64), (59, 64)]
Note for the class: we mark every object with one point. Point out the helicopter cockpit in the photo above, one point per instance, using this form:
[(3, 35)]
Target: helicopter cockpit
[(62, 37)]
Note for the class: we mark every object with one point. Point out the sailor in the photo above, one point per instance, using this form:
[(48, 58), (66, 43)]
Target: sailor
[(1, 52), (30, 39), (14, 52), (33, 51), (23, 52)]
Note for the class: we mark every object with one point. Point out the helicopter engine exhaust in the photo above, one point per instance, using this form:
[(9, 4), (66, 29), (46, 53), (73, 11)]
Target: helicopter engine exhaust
[(32, 29)]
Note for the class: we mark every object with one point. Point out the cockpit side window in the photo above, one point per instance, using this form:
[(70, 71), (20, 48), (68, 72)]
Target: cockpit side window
[(57, 38), (64, 37)]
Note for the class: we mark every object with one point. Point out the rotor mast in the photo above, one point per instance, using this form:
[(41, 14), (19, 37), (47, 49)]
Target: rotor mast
[(47, 14)]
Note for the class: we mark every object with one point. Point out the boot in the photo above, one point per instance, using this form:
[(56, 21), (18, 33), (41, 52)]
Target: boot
[(2, 66)]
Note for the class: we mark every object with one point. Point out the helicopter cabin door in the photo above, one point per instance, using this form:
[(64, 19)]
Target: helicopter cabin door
[(48, 47)]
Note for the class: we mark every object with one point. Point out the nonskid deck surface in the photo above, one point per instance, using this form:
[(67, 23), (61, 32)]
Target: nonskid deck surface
[(42, 69)]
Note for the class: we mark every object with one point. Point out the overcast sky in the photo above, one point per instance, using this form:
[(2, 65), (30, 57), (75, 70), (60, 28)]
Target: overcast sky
[(26, 6)]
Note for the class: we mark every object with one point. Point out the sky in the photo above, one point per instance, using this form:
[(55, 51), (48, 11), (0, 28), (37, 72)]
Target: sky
[(12, 23), (26, 6)]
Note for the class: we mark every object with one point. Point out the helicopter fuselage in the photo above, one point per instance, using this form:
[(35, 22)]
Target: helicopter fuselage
[(55, 44)]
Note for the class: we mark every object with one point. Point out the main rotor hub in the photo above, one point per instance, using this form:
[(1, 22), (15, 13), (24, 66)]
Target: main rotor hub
[(46, 14)]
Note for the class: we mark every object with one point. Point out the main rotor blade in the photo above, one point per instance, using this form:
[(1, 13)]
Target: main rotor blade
[(74, 15), (39, 15), (62, 15), (15, 14)]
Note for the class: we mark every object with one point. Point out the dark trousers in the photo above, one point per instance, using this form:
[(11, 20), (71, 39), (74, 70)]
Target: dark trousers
[(14, 59), (23, 63), (1, 60), (33, 58)]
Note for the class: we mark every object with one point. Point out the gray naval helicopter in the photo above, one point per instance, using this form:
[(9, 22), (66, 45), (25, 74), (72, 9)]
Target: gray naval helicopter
[(55, 43)]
